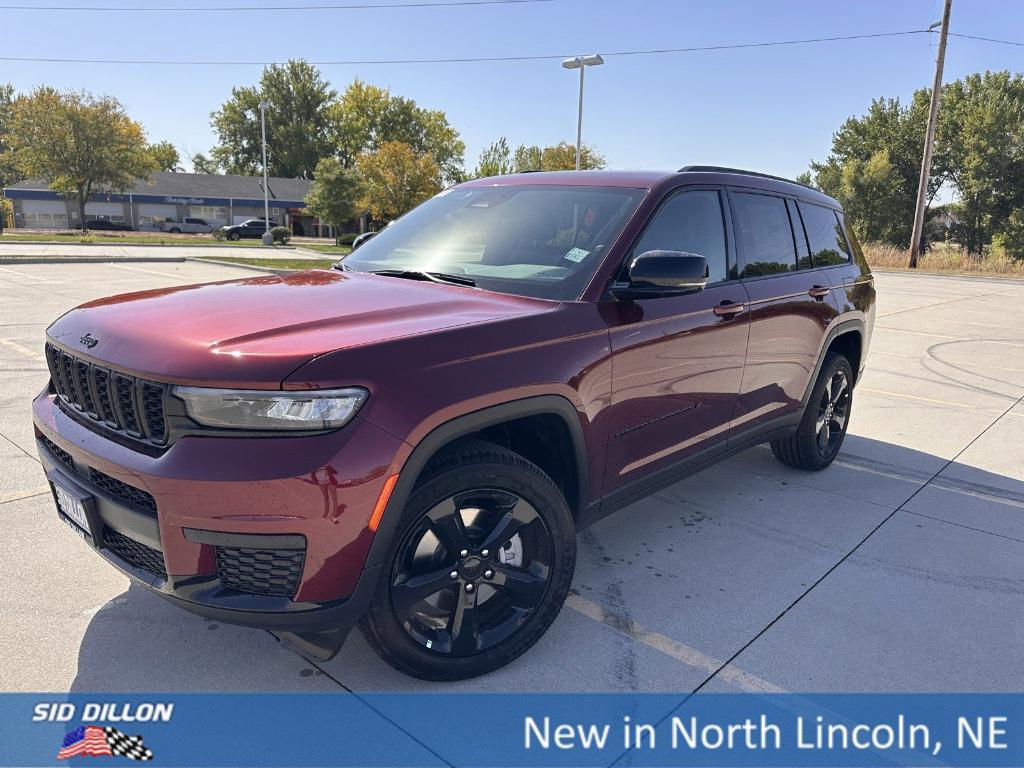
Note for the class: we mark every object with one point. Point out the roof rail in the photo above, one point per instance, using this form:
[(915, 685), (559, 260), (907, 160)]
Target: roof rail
[(723, 169)]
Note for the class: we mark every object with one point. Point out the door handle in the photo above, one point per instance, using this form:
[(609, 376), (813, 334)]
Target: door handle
[(729, 308), (819, 291)]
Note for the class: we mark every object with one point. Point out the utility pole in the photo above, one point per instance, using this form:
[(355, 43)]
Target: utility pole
[(264, 105), (917, 236)]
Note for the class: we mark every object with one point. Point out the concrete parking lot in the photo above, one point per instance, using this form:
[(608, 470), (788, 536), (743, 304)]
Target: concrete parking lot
[(900, 568)]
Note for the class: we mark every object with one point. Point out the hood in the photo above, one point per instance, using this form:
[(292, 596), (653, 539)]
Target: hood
[(256, 332)]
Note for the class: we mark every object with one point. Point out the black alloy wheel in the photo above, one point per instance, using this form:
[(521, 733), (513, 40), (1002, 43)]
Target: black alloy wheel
[(478, 569), (471, 572), (833, 412)]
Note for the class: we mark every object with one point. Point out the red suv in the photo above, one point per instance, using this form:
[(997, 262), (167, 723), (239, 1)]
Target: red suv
[(411, 440)]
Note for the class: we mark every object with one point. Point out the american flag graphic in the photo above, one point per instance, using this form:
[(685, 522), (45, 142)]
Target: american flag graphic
[(97, 741)]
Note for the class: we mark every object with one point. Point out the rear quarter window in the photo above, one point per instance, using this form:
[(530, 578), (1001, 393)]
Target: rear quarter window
[(825, 235), (763, 234)]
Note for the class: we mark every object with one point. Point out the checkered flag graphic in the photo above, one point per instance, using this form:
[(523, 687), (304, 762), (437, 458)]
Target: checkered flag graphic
[(123, 745)]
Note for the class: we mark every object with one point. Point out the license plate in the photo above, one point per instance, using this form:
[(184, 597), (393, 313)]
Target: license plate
[(72, 507)]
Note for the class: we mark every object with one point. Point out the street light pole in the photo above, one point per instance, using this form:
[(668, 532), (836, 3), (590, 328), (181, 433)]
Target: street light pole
[(917, 235), (581, 63), (266, 189)]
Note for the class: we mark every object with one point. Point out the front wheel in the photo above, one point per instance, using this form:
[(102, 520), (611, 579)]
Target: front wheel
[(817, 440), (234, 236), (479, 569)]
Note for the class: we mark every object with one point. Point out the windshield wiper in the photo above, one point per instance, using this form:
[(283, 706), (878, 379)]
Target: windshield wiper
[(421, 274)]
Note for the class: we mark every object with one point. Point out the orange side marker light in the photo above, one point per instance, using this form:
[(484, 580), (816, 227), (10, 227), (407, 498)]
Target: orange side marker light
[(382, 501)]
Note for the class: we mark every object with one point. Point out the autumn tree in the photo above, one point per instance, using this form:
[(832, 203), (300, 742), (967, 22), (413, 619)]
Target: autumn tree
[(366, 117), (334, 193), (559, 157), (79, 143), (165, 156), (395, 179), (297, 123)]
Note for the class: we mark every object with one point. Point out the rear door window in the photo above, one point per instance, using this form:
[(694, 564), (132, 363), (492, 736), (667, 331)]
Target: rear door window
[(828, 245), (764, 236)]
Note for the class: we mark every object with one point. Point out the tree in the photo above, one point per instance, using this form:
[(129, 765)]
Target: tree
[(395, 179), (165, 156), (496, 160), (367, 116), (297, 123), (8, 171), (560, 157), (333, 195), (980, 146), (79, 142), (203, 164)]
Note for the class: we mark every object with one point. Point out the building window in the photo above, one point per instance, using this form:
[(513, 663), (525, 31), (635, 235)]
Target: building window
[(218, 212)]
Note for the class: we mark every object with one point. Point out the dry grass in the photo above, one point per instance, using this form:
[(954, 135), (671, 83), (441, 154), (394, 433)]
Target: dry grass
[(944, 258)]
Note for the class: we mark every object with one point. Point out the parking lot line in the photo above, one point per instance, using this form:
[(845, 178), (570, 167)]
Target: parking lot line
[(31, 353), (673, 648)]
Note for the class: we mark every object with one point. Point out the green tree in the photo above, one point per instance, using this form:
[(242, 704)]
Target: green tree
[(79, 142), (297, 123), (334, 193), (165, 156), (395, 179), (367, 116), (980, 145), (559, 157), (201, 163), (8, 171), (496, 160)]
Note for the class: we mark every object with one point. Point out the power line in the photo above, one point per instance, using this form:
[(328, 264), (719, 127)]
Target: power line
[(247, 8), (468, 60), (987, 39)]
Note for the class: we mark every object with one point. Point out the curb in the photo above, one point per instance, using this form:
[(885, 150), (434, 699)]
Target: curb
[(958, 275), (14, 260), (114, 244)]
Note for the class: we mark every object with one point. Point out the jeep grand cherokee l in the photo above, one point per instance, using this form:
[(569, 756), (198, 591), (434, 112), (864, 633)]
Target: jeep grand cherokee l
[(410, 440)]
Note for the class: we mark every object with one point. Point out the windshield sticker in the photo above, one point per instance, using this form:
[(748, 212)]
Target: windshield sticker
[(577, 255)]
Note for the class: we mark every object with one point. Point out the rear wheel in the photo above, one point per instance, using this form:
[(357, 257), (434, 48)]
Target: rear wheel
[(480, 568), (234, 236), (175, 231), (822, 429)]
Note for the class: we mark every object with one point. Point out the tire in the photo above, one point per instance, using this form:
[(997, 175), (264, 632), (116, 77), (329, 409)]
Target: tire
[(175, 231), (442, 614), (234, 236), (818, 438)]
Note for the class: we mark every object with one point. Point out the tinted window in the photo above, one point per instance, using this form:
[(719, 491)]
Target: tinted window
[(763, 234), (803, 255), (692, 222), (828, 246)]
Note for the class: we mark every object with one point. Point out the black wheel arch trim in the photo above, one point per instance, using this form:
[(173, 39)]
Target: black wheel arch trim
[(855, 325), (463, 426)]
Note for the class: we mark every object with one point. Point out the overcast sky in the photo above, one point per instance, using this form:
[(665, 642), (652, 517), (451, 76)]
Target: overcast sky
[(770, 109)]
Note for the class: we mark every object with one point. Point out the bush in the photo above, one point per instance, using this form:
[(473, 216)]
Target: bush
[(281, 235), (218, 234), (348, 238), (1010, 242)]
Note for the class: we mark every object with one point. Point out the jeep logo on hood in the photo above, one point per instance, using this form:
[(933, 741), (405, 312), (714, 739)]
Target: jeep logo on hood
[(89, 340)]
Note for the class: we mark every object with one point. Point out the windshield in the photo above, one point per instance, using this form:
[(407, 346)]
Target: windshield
[(541, 241)]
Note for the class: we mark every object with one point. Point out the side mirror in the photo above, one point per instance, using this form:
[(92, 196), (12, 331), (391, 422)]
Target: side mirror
[(362, 239), (663, 273)]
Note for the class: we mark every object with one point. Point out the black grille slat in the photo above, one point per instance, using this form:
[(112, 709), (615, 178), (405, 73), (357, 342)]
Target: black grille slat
[(153, 410), (117, 401), (260, 571), (135, 552), (124, 394), (122, 491), (60, 453)]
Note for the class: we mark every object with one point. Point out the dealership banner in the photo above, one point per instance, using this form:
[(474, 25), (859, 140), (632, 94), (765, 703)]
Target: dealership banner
[(491, 729)]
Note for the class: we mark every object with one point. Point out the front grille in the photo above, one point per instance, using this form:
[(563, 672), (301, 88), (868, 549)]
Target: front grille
[(131, 406), (123, 491), (59, 453), (260, 571), (136, 553)]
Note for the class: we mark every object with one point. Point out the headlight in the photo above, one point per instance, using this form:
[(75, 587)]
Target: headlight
[(266, 409)]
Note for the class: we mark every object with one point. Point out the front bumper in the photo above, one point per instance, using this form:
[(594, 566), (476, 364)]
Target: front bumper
[(204, 497)]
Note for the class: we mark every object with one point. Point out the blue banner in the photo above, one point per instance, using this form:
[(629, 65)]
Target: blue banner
[(525, 730)]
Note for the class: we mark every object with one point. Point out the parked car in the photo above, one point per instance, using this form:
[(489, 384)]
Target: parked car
[(187, 225), (252, 229), (107, 225), (411, 440)]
